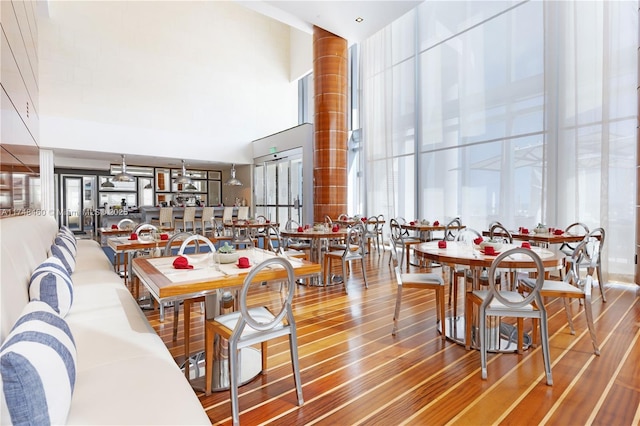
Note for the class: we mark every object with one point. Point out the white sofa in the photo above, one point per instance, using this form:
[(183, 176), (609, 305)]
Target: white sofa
[(124, 372)]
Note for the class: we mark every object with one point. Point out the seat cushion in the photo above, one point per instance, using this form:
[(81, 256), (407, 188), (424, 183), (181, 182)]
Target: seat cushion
[(38, 368)]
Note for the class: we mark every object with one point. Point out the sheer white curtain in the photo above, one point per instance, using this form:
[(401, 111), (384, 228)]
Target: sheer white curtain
[(519, 112)]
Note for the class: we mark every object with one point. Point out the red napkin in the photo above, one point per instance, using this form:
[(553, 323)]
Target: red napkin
[(307, 226), (114, 226), (478, 240), (164, 236), (489, 250), (267, 221), (436, 223), (412, 223), (442, 244), (364, 219), (133, 236), (526, 244), (525, 231), (300, 229), (558, 232), (181, 262), (243, 262), (335, 228)]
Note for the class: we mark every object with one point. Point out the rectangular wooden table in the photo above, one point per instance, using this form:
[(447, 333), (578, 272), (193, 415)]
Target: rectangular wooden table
[(167, 284)]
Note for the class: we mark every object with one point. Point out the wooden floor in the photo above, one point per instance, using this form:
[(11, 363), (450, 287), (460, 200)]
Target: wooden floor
[(355, 372)]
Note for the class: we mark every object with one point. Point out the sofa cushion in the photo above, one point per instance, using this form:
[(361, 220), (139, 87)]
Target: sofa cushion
[(66, 230), (67, 258), (51, 283), (38, 368), (65, 241)]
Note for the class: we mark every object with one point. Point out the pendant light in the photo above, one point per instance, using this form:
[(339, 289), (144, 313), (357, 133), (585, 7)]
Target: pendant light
[(183, 179), (123, 176), (107, 184), (232, 180)]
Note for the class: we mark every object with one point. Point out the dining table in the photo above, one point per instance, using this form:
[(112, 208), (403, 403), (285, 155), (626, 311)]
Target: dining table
[(473, 258), (425, 230), (166, 284), (544, 238)]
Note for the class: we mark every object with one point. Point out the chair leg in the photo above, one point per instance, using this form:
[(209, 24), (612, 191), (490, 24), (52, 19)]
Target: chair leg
[(396, 313), (600, 282), (263, 350), (364, 273), (544, 337), (568, 313), (234, 373), (440, 299), (344, 276), (468, 311), (483, 344), (296, 366), (589, 314)]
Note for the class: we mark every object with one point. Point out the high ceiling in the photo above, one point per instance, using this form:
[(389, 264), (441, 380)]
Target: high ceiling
[(338, 17)]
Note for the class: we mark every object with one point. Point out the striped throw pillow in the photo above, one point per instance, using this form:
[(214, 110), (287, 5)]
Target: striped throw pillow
[(38, 368), (67, 258), (51, 283), (66, 242), (67, 231)]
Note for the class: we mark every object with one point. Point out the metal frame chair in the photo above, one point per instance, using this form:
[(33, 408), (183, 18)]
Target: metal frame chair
[(429, 281), (354, 250), (252, 325), (509, 303)]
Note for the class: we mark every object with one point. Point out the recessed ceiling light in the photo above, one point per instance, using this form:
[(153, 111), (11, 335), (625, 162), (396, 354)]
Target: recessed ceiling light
[(359, 19)]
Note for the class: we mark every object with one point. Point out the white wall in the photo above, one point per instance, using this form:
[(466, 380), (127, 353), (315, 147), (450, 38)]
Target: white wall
[(172, 79)]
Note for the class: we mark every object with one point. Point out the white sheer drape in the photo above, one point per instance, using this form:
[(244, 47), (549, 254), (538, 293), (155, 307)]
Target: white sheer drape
[(519, 112)]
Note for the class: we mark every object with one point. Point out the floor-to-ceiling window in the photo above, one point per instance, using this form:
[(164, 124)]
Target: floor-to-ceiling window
[(522, 112)]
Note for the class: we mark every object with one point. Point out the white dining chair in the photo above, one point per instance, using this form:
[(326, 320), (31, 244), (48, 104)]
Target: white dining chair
[(254, 324), (497, 302)]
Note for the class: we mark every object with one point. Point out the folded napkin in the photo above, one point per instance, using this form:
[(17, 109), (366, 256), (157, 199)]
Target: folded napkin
[(114, 226), (182, 262), (489, 250), (335, 228), (300, 229), (442, 244), (164, 236), (558, 232), (436, 223), (412, 223), (478, 240), (526, 244), (133, 236)]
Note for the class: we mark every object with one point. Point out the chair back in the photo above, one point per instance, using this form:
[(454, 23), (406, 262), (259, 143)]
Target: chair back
[(252, 285), (145, 227), (354, 242), (495, 284), (274, 240), (499, 232), (126, 224), (578, 228), (343, 216), (588, 252), (189, 214), (452, 229), (166, 216), (180, 236), (467, 235), (243, 213), (227, 214), (196, 239)]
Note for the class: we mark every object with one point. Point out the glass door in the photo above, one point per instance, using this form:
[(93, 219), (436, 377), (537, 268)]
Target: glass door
[(78, 203), (278, 189)]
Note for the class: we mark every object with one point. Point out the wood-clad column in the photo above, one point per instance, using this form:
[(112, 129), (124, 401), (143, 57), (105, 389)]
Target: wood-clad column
[(330, 67)]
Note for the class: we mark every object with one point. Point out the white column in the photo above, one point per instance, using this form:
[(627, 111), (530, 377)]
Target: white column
[(47, 182)]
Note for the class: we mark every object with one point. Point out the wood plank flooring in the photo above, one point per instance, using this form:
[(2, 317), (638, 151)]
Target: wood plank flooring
[(354, 372)]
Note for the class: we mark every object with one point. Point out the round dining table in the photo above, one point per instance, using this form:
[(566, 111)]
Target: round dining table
[(474, 259)]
